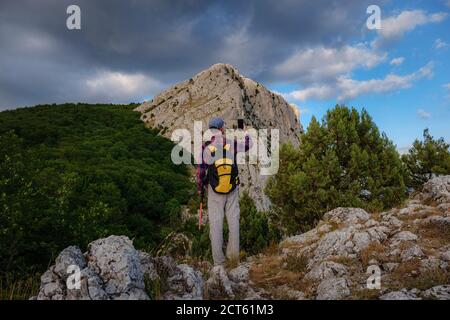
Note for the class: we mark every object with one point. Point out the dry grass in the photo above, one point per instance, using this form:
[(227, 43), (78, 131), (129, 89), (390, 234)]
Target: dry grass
[(376, 216), (231, 263), (272, 249), (269, 273), (365, 294), (292, 245), (20, 289), (406, 268), (335, 226), (430, 202), (306, 286), (403, 277), (374, 250), (343, 260), (428, 279), (296, 263), (436, 231)]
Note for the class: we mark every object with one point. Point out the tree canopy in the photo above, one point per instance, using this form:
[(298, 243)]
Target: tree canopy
[(425, 159), (342, 161), (72, 173)]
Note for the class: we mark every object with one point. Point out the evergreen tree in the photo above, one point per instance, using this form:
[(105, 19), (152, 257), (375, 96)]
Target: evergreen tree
[(342, 161), (255, 231), (72, 173), (425, 159)]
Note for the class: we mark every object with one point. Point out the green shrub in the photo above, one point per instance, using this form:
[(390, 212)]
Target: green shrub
[(256, 231), (342, 161), (425, 159)]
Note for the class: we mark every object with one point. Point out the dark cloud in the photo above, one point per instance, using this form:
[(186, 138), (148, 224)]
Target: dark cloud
[(160, 41)]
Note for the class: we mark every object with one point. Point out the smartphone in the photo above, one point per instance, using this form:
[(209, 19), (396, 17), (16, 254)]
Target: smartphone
[(240, 123)]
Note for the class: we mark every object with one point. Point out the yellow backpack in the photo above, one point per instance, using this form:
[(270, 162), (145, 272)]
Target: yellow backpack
[(223, 173)]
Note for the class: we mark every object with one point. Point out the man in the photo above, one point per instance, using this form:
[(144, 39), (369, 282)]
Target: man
[(218, 170)]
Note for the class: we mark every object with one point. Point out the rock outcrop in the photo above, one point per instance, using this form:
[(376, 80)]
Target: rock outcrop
[(220, 91), (407, 248), (112, 269)]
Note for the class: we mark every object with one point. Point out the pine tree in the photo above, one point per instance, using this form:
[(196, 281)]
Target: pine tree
[(342, 161), (255, 233), (425, 159)]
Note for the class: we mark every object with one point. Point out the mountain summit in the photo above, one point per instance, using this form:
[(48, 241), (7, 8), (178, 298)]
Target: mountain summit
[(220, 91)]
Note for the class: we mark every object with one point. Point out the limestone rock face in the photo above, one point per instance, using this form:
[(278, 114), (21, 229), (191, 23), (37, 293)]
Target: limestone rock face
[(220, 91)]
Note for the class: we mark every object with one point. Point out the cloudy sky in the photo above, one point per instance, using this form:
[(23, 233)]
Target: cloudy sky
[(315, 53)]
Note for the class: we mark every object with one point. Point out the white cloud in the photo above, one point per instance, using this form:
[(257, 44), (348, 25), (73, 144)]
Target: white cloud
[(448, 3), (397, 61), (439, 44), (321, 64), (423, 114), (118, 86), (347, 88), (446, 86), (318, 92), (393, 28)]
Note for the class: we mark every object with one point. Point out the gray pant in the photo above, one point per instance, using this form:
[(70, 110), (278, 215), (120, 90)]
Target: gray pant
[(218, 206)]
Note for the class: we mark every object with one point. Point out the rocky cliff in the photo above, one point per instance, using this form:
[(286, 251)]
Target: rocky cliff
[(220, 91), (408, 247)]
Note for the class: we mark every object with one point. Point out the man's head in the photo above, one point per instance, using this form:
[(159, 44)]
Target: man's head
[(217, 123)]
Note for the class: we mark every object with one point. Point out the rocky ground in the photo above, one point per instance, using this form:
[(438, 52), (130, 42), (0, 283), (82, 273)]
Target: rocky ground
[(409, 246)]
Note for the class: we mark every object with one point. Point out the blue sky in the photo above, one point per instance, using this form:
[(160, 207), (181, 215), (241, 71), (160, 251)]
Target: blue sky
[(315, 53), (402, 111)]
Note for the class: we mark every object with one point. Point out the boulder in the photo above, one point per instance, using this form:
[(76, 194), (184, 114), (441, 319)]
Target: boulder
[(239, 274), (70, 256), (117, 263), (218, 284), (346, 216), (413, 252), (335, 243), (441, 292), (110, 269), (148, 266), (333, 289), (437, 189), (403, 294), (445, 256), (325, 270), (185, 284), (403, 236)]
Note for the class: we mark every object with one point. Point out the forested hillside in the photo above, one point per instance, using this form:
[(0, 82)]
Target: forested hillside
[(73, 173)]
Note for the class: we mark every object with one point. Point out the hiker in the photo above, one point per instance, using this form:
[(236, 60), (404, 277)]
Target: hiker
[(218, 171)]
